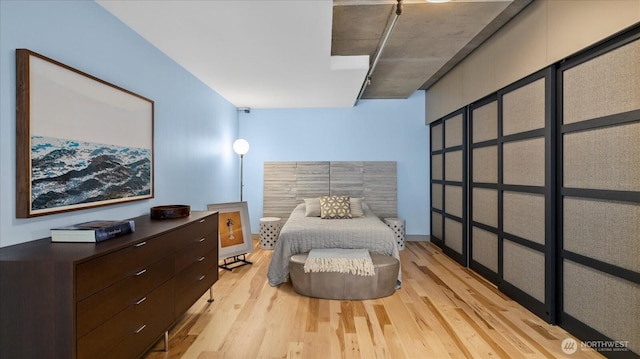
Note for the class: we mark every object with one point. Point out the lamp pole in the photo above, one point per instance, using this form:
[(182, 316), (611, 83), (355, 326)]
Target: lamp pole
[(241, 147), (241, 175)]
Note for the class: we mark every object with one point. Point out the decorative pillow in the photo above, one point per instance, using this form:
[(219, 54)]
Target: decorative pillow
[(312, 207), (333, 207), (356, 207)]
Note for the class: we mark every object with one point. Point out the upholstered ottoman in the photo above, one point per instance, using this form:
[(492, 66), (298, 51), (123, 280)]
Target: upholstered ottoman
[(343, 286)]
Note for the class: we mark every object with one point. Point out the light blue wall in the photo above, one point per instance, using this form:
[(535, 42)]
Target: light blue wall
[(194, 126), (374, 130)]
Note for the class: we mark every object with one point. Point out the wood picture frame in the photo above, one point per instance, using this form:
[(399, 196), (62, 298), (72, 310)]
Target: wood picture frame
[(234, 229), (81, 142)]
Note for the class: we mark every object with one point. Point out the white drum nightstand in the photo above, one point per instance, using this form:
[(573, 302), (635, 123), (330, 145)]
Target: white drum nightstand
[(269, 232), (398, 227)]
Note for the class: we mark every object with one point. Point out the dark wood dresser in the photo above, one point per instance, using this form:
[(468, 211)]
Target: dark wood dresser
[(112, 299)]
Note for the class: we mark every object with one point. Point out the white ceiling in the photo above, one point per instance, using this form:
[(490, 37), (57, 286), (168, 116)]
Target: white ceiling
[(257, 54), (277, 53)]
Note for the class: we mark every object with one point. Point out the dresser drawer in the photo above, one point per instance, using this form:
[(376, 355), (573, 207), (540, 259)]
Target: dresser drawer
[(204, 227), (194, 272), (99, 307), (142, 339), (135, 327), (194, 281), (101, 272), (196, 250)]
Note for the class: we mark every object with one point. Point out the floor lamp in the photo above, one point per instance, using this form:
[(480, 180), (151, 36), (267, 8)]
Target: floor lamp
[(241, 147)]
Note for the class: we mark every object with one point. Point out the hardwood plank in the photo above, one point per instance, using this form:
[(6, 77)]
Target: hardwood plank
[(364, 338), (443, 310)]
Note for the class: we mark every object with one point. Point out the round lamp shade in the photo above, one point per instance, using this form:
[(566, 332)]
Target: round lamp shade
[(241, 146)]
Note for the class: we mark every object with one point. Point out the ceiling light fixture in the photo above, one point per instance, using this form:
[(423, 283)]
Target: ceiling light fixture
[(437, 1)]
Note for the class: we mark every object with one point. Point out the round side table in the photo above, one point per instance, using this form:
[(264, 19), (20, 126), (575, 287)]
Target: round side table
[(398, 227), (269, 232)]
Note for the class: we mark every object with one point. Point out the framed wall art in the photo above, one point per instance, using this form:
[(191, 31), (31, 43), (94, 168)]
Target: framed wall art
[(234, 230), (80, 141)]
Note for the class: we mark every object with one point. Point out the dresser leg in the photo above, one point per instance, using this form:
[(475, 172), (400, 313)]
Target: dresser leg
[(210, 300), (166, 341)]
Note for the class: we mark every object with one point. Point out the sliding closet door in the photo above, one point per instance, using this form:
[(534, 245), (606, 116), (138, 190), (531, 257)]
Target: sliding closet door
[(450, 160), (483, 193), (526, 243), (437, 183), (599, 193)]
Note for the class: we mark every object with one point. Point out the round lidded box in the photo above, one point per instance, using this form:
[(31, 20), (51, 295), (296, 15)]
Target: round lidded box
[(170, 211)]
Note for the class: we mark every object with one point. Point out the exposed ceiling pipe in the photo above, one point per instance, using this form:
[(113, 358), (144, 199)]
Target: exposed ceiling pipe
[(376, 57)]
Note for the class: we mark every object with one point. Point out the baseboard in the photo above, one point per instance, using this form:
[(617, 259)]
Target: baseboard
[(417, 238)]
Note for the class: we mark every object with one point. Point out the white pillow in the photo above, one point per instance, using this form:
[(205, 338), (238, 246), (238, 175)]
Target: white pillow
[(312, 207), (356, 207)]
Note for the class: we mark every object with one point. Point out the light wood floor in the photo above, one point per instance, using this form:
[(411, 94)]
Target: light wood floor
[(442, 311)]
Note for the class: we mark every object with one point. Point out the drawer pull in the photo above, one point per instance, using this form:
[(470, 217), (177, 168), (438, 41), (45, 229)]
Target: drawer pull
[(203, 220), (140, 244), (141, 272), (201, 239), (200, 259), (201, 277), (141, 300), (140, 329)]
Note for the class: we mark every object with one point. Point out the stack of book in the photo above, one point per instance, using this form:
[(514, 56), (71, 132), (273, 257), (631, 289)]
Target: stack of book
[(93, 231)]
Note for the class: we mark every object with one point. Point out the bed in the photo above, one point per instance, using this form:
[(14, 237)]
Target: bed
[(303, 232)]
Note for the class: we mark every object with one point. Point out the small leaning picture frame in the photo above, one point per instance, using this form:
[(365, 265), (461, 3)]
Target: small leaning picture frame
[(234, 233)]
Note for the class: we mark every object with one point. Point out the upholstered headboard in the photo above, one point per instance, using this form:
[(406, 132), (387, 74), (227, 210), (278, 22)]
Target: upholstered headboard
[(287, 184)]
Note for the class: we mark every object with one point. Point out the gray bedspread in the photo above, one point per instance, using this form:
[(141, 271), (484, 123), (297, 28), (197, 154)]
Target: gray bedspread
[(301, 234)]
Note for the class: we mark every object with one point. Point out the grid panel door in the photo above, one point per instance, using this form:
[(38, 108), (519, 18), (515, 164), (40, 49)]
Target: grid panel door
[(449, 185), (526, 236), (483, 184), (599, 193)]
